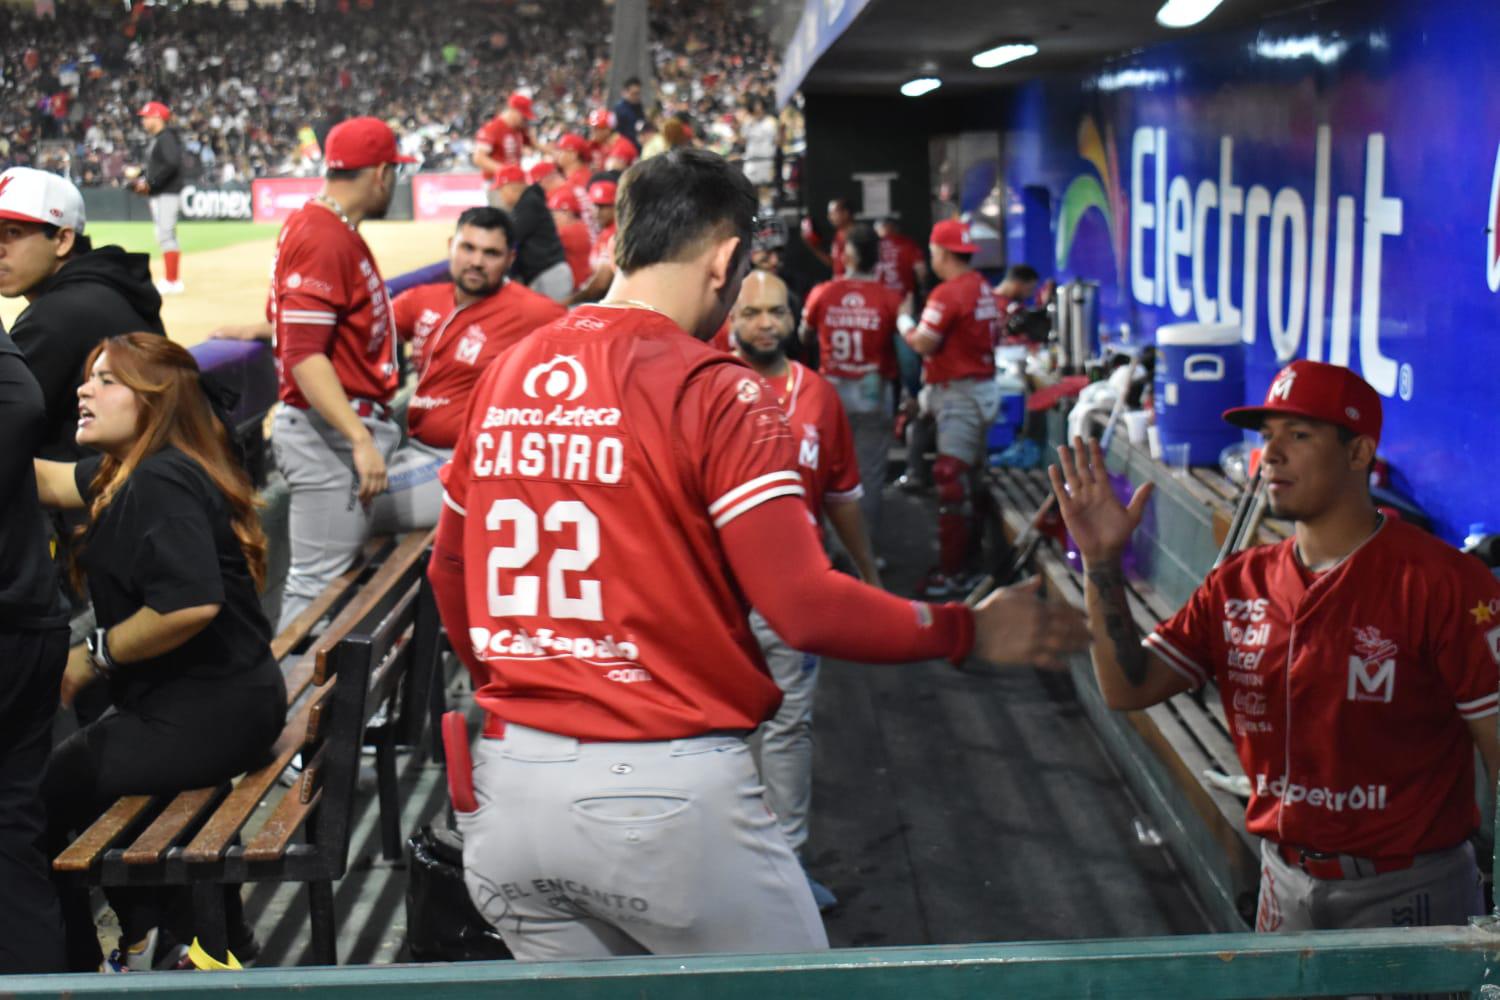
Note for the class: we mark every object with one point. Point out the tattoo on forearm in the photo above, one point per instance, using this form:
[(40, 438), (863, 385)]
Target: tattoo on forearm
[(1109, 583)]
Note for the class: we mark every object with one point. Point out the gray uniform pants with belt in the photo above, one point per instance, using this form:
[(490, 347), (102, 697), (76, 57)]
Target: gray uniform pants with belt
[(327, 523)]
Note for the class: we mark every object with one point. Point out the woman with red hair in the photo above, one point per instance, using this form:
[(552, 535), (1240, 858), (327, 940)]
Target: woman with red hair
[(173, 556)]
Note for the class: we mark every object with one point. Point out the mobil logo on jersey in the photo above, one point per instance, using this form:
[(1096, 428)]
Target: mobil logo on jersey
[(1299, 267), (1372, 667)]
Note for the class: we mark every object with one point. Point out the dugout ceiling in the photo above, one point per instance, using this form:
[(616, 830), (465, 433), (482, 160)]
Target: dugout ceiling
[(892, 41)]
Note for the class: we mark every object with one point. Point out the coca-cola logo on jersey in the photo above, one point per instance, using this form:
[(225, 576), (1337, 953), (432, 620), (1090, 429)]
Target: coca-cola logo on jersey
[(560, 378)]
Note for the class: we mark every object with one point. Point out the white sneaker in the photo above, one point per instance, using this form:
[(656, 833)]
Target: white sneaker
[(169, 287)]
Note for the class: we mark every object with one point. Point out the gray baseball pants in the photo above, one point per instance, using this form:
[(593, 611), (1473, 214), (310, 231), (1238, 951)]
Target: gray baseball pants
[(786, 739), (413, 496), (867, 405), (584, 850), (326, 523), (556, 282), (164, 211)]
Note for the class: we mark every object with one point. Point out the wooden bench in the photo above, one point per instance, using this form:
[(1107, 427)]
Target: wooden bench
[(1184, 736), (378, 638)]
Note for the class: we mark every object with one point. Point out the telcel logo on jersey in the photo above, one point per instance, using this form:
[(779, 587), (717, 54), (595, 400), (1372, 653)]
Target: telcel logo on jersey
[(564, 379)]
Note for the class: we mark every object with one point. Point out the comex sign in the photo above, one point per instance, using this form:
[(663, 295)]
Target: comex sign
[(1297, 289), (215, 203)]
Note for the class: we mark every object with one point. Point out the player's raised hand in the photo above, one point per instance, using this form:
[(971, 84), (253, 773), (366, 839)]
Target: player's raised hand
[(1101, 526), (1014, 625)]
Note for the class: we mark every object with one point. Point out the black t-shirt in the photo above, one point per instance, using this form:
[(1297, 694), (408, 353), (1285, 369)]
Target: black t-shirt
[(166, 542), (28, 579)]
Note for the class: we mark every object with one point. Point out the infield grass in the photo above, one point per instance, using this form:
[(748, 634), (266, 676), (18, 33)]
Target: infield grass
[(138, 237)]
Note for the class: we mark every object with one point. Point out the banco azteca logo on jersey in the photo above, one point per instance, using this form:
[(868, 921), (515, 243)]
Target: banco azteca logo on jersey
[(1372, 667), (853, 300), (560, 378)]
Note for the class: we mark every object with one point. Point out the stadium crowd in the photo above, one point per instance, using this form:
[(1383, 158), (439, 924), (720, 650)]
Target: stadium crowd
[(255, 91)]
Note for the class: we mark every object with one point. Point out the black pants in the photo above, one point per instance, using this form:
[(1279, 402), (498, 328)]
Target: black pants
[(184, 734), (31, 666)]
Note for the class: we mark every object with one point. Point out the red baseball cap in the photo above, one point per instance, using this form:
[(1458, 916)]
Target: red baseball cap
[(542, 169), (601, 118), (602, 192), (1318, 391), (622, 149), (154, 109), (521, 103), (356, 143), (952, 234), (576, 143), (509, 173), (562, 199)]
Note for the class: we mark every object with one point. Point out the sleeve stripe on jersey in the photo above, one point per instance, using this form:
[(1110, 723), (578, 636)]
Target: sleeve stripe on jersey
[(452, 505), (745, 488), (1480, 707), (1173, 658), (309, 317), (756, 500), (847, 496)]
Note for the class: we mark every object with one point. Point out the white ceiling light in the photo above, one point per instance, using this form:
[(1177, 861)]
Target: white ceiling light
[(1002, 54), (1184, 13), (921, 85)]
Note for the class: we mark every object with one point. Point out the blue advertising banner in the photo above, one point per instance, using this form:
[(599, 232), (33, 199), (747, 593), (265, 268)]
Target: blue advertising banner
[(822, 22), (1330, 182)]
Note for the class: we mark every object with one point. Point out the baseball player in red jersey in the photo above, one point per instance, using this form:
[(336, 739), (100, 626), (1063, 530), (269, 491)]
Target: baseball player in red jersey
[(601, 123), (573, 232), (902, 265), (841, 218), (335, 359), (854, 320), (602, 254), (1357, 663), (573, 154), (606, 516), (503, 139), (956, 339), (455, 330), (761, 324)]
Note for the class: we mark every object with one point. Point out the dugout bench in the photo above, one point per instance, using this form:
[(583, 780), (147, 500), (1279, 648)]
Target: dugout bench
[(384, 631)]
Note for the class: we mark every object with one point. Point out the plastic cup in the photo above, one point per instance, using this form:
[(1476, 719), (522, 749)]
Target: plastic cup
[(1175, 457)]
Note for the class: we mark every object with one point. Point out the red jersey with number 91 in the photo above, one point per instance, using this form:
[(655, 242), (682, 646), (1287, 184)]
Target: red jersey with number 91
[(855, 322), (599, 460)]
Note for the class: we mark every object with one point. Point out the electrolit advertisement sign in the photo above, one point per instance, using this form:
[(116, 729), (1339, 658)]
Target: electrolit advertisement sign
[(1328, 181)]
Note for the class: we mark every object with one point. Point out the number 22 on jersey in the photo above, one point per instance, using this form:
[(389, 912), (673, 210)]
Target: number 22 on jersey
[(517, 520)]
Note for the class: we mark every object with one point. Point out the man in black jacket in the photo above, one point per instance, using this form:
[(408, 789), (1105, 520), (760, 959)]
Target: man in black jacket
[(162, 182), (78, 295), (540, 262), (33, 650)]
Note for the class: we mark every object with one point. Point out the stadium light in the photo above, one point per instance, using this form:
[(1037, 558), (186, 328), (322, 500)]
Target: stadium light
[(921, 85), (1002, 54), (1184, 13)]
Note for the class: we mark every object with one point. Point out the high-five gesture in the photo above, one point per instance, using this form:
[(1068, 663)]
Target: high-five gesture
[(1014, 625), (1101, 526)]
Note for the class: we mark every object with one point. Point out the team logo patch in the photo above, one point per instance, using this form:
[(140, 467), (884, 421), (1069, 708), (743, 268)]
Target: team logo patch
[(471, 344), (747, 390), (1372, 668), (1484, 612), (1282, 387), (560, 378), (294, 280), (853, 300)]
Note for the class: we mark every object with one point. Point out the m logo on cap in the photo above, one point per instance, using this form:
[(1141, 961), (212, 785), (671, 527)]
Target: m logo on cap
[(5, 183), (1282, 387)]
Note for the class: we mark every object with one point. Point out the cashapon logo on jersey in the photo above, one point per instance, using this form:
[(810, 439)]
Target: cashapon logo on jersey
[(560, 378), (1372, 668)]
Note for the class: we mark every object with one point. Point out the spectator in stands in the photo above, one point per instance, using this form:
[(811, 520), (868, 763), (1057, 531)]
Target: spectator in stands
[(77, 295), (630, 115), (762, 134), (33, 649), (161, 181), (173, 558), (1356, 662), (540, 261), (455, 330)]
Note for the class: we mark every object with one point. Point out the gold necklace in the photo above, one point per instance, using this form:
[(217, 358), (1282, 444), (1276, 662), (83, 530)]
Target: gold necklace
[(630, 304), (333, 206)]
